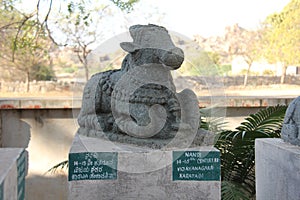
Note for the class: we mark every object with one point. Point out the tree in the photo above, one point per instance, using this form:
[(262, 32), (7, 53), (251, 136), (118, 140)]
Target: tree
[(245, 43), (24, 44), (42, 72), (17, 24), (282, 37), (201, 63), (80, 25), (28, 52), (81, 28)]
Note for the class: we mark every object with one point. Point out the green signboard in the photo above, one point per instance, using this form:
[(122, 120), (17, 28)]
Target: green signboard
[(21, 167), (196, 166), (93, 166), (1, 191)]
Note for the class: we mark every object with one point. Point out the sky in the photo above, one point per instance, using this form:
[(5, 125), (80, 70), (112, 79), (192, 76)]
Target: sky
[(205, 17), (191, 17)]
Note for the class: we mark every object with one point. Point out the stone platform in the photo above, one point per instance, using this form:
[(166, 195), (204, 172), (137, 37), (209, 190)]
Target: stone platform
[(277, 170), (13, 169), (99, 169)]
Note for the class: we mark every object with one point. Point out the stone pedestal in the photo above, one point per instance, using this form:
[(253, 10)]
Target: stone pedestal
[(13, 169), (277, 167), (99, 169)]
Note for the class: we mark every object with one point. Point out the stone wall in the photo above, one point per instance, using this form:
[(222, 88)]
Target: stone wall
[(40, 86), (259, 80), (227, 81)]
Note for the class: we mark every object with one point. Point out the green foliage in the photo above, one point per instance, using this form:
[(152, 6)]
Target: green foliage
[(245, 71), (41, 72), (69, 70), (214, 57), (268, 72), (125, 5), (231, 190), (211, 123), (25, 37), (282, 36), (202, 64), (24, 45), (224, 69), (238, 155), (205, 64)]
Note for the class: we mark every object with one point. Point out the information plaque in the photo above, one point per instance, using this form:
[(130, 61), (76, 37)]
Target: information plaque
[(196, 166), (21, 167), (93, 166)]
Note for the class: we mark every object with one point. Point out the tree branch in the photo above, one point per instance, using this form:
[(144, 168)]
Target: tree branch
[(45, 22)]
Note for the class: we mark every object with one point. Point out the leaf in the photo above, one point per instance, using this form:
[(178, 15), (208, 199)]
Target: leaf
[(234, 191), (207, 122), (70, 7), (61, 165), (267, 120), (237, 151)]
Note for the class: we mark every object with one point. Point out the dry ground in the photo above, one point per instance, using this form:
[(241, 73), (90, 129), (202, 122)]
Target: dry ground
[(267, 90)]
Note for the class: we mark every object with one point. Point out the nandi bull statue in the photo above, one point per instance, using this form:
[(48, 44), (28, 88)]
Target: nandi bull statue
[(139, 100), (290, 131)]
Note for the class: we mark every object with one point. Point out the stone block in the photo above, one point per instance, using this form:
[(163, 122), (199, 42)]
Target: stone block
[(277, 167), (100, 169), (13, 169)]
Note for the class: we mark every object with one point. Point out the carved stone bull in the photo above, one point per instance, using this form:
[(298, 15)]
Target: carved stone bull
[(140, 99)]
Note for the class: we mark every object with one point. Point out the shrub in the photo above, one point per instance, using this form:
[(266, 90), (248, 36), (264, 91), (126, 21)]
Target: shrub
[(237, 151), (42, 73)]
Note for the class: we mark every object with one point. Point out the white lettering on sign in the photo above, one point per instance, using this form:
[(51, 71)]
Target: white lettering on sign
[(196, 165)]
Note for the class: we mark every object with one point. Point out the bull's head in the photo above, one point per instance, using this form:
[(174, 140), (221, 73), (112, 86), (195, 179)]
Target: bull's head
[(158, 41)]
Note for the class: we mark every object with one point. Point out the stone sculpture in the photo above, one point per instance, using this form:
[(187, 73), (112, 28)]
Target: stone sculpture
[(291, 125), (139, 100)]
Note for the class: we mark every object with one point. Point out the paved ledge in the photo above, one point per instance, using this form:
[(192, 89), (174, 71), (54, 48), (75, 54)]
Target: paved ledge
[(204, 101), (40, 103)]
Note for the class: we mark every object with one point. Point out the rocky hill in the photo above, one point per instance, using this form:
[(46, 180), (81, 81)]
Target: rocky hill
[(66, 61), (225, 45)]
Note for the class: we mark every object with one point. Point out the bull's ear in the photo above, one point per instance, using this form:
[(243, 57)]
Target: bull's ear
[(128, 46)]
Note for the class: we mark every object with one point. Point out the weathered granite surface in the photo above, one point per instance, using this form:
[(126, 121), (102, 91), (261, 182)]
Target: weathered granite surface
[(277, 169), (13, 169), (140, 100), (142, 173), (290, 131)]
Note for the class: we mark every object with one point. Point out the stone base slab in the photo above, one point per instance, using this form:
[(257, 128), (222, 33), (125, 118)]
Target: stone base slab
[(141, 174), (277, 167), (13, 169)]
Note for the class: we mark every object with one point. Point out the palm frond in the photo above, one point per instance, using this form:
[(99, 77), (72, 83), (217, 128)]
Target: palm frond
[(266, 120), (64, 165), (234, 191), (237, 150), (209, 120)]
